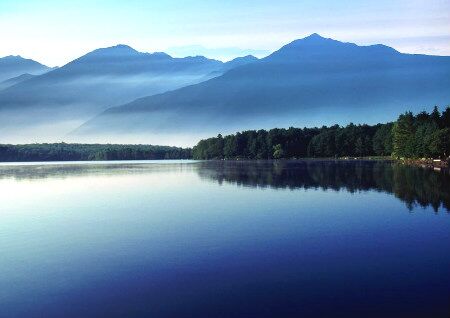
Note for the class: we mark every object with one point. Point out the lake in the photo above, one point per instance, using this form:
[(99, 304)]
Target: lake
[(224, 239)]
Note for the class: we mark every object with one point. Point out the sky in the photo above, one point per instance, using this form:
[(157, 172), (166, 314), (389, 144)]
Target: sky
[(55, 32)]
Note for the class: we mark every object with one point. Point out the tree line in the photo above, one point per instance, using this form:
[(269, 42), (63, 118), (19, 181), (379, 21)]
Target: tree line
[(411, 136), (424, 135), (85, 152)]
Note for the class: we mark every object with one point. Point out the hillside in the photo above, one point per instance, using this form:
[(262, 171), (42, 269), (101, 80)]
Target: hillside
[(311, 81), (57, 102), (14, 65)]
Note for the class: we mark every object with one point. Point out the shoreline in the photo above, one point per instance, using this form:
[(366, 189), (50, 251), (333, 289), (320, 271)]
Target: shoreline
[(426, 163)]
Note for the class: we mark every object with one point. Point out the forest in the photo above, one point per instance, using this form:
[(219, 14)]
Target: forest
[(424, 135), (86, 152)]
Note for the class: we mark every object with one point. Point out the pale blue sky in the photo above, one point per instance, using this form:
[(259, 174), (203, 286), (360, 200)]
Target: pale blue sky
[(57, 31)]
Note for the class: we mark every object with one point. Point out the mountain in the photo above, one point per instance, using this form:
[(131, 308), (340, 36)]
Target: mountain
[(311, 81), (13, 66), (58, 101), (239, 61), (15, 80)]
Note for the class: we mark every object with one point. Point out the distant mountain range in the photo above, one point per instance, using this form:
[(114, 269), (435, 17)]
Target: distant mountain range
[(157, 98), (311, 81), (100, 79), (15, 80), (14, 66)]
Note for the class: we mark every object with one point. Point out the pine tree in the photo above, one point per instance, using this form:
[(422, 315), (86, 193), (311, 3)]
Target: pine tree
[(403, 136)]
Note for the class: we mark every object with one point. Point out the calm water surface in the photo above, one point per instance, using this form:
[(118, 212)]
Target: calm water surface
[(224, 239)]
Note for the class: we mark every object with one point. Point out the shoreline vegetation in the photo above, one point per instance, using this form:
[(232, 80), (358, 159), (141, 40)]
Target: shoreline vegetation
[(422, 139), (89, 152)]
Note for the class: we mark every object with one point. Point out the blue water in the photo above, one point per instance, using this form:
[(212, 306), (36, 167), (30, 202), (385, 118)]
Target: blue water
[(217, 239)]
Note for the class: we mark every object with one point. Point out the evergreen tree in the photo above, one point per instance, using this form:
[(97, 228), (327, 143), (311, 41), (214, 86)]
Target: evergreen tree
[(435, 116), (403, 136), (423, 135), (445, 119)]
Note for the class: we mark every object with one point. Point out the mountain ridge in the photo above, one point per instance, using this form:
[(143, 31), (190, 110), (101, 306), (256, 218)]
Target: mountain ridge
[(15, 65), (93, 82), (306, 79), (16, 80)]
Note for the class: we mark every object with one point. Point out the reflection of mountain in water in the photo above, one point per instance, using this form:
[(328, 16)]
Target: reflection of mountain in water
[(414, 186)]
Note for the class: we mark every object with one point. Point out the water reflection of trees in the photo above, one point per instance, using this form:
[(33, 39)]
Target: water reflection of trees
[(412, 185)]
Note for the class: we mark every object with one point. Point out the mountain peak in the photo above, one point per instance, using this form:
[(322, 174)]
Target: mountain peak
[(314, 36), (13, 57), (19, 60), (246, 57), (315, 46), (313, 39), (120, 49), (160, 55), (242, 60)]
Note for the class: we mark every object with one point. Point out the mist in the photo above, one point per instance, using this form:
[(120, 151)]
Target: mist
[(46, 108)]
